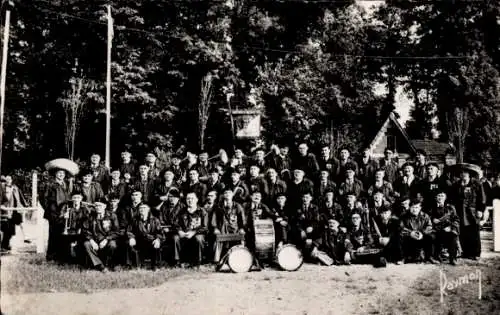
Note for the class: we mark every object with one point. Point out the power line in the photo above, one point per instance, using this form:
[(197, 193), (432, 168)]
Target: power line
[(132, 29)]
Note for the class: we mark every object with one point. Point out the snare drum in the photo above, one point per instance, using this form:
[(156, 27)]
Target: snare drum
[(264, 239), (289, 257), (239, 259)]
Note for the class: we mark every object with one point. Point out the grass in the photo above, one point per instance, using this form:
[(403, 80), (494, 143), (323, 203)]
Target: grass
[(360, 289), (32, 274)]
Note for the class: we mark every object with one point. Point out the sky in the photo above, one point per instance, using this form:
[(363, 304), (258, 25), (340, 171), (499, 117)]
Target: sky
[(403, 103)]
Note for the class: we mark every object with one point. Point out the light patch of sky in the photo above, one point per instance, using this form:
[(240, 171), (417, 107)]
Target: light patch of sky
[(404, 104)]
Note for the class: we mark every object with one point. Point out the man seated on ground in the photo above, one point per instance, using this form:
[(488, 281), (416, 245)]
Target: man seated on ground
[(73, 216), (386, 230), (417, 234), (359, 245), (333, 242), (145, 238), (446, 226), (229, 218), (100, 233), (306, 226), (192, 227)]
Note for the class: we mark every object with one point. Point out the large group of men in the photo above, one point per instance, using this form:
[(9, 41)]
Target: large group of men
[(351, 210)]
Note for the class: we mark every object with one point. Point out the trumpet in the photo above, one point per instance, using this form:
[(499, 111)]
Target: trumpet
[(67, 221)]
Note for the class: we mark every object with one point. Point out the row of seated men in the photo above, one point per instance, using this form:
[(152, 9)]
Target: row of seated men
[(176, 232)]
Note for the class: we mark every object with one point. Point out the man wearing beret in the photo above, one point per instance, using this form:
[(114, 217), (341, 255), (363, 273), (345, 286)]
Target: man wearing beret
[(431, 184), (306, 161), (237, 186), (100, 173), (345, 162), (417, 234), (256, 182), (446, 226), (298, 187), (100, 233), (389, 166), (351, 184), (145, 184), (306, 225), (90, 190), (276, 186), (145, 238), (467, 195)]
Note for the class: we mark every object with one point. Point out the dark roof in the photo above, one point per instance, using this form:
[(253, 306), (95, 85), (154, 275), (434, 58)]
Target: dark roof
[(392, 118), (432, 147)]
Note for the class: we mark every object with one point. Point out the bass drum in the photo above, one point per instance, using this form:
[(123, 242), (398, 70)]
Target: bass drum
[(289, 258), (239, 259), (264, 239)]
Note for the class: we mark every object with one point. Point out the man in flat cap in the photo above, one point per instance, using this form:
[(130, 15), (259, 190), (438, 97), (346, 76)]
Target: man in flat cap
[(467, 195), (446, 226)]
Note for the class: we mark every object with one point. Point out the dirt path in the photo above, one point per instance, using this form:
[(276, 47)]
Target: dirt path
[(311, 290)]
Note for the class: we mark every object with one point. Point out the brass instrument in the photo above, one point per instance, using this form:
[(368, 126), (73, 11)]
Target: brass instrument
[(67, 221), (158, 207)]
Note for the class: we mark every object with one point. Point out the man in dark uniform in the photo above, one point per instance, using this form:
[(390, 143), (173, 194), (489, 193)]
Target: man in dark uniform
[(214, 182), (306, 161), (298, 187), (194, 185), (176, 168), (429, 185), (333, 241), (192, 227), (91, 191), (145, 184), (256, 182), (72, 218), (386, 230), (163, 186), (116, 186), (330, 209), (145, 238), (281, 214), (324, 185), (100, 233), (467, 195), (417, 234), (379, 184), (367, 167), (100, 173), (127, 168), (306, 225), (255, 210), (350, 184), (409, 184), (275, 185), (389, 166), (345, 161), (203, 166), (260, 160), (128, 212), (360, 246), (56, 195), (327, 162), (229, 218), (154, 169), (421, 164), (446, 227), (237, 186)]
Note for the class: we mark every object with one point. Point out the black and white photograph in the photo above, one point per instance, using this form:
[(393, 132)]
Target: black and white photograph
[(249, 157)]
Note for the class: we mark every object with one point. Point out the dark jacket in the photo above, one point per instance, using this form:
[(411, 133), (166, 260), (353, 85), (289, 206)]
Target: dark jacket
[(99, 229), (196, 221), (145, 231), (54, 197), (229, 220), (468, 200), (447, 216)]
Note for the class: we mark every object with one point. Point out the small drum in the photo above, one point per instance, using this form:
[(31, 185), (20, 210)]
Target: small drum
[(239, 259), (264, 239), (289, 257)]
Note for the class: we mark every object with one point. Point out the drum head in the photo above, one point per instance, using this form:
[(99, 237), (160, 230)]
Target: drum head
[(290, 258), (240, 259)]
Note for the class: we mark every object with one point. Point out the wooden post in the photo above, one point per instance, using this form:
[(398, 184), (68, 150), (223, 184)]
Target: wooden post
[(3, 74), (495, 216), (40, 235), (108, 90)]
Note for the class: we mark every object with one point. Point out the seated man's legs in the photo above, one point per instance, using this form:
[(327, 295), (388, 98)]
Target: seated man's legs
[(92, 255)]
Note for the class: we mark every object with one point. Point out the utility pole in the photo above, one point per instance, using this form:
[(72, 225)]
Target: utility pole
[(108, 89), (3, 74)]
